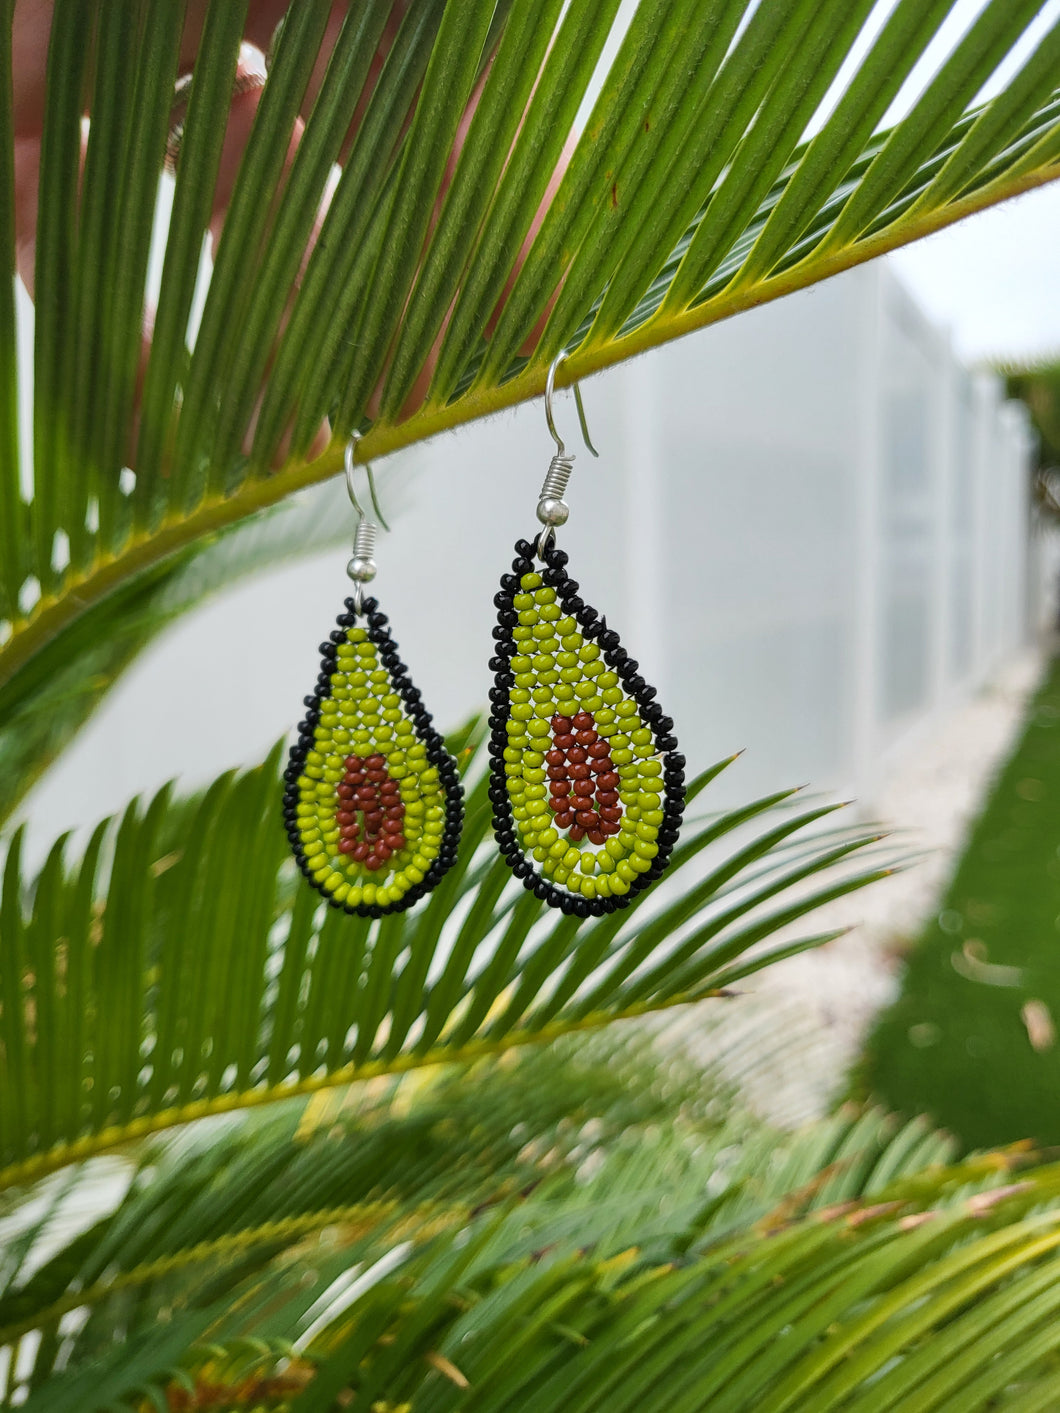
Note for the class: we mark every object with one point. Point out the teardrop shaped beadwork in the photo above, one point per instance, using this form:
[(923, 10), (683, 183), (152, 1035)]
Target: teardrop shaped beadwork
[(586, 783), (373, 804)]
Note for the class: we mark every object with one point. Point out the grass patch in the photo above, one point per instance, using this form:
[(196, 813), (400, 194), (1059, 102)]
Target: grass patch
[(974, 1038)]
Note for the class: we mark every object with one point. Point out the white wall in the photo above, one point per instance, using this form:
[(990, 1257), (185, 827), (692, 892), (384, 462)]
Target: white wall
[(809, 524)]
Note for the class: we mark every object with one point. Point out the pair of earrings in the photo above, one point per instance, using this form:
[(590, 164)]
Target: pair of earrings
[(586, 784)]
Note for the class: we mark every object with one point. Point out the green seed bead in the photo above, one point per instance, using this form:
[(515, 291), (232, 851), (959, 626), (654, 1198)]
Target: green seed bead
[(588, 888), (583, 690), (414, 874), (647, 832), (548, 835), (541, 662), (589, 651), (531, 581), (546, 594), (618, 884), (533, 758), (644, 849), (603, 886), (626, 708), (541, 694), (548, 677), (529, 618), (604, 862), (540, 856), (568, 626), (587, 863), (653, 817), (521, 663), (522, 635), (549, 612), (563, 692), (641, 737), (538, 727), (565, 659), (521, 601), (626, 838), (560, 874), (593, 703), (558, 849), (620, 756), (571, 641), (626, 870), (649, 801), (529, 838), (524, 680), (608, 682), (570, 675), (571, 858), (534, 774), (521, 711), (520, 696)]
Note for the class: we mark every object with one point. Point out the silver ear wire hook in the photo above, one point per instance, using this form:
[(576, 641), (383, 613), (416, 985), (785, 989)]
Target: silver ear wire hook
[(361, 567), (550, 387), (552, 509)]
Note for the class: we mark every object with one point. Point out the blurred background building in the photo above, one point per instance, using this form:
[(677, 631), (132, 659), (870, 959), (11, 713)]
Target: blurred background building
[(811, 525)]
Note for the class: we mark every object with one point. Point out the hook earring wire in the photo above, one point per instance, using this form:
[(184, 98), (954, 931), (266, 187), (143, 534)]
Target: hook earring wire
[(552, 509), (361, 567), (550, 387)]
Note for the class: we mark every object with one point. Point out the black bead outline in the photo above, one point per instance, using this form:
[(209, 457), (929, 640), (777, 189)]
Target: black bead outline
[(592, 627), (379, 634)]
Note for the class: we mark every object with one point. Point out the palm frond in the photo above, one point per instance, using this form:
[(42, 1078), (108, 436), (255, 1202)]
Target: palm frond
[(692, 192), (178, 968)]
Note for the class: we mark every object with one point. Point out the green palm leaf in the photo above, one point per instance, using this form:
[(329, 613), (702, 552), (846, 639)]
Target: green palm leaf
[(179, 968), (691, 193)]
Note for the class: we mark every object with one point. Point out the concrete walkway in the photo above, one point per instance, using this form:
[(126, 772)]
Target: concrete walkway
[(790, 1038)]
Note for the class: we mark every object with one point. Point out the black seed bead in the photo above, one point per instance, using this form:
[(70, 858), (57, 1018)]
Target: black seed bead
[(520, 867), (498, 695), (370, 605), (541, 889), (502, 600), (327, 650), (508, 617), (609, 639), (525, 548), (667, 743), (581, 907), (501, 635), (570, 587), (521, 567), (377, 620), (676, 761), (497, 664), (647, 692), (674, 777), (573, 604), (557, 557)]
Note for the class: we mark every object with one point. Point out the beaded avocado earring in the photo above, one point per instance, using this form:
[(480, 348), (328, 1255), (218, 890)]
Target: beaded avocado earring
[(373, 805), (586, 783)]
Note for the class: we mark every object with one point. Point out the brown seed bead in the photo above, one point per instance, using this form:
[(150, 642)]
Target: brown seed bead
[(389, 787), (560, 723), (561, 787), (565, 819), (395, 811), (367, 793), (563, 742), (599, 750), (556, 772), (608, 781), (596, 836), (371, 862), (375, 777), (382, 850), (576, 755), (586, 738), (558, 803), (346, 817), (582, 721), (579, 772), (391, 824), (612, 813), (554, 757), (373, 819), (397, 842), (375, 762), (361, 852), (607, 797), (583, 787), (601, 767), (609, 827), (586, 818), (344, 791), (576, 833), (347, 846)]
